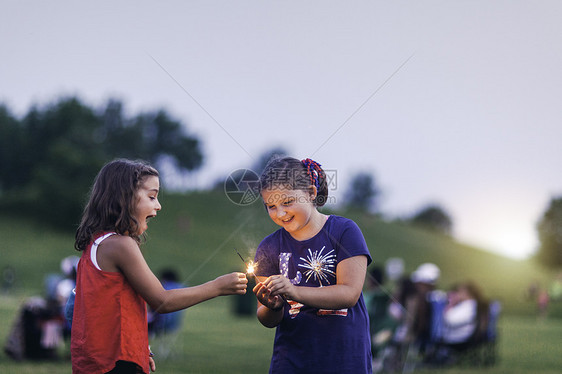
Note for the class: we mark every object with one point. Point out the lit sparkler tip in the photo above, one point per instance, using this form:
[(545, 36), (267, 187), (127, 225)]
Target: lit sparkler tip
[(250, 265), (251, 268)]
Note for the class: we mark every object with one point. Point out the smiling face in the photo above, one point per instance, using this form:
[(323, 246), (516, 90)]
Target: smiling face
[(147, 204), (293, 210)]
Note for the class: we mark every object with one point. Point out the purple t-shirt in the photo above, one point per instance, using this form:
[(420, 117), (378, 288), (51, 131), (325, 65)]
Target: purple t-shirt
[(311, 340)]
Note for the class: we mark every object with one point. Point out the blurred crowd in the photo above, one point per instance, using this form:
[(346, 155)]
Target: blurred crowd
[(415, 323), (543, 296), (42, 325)]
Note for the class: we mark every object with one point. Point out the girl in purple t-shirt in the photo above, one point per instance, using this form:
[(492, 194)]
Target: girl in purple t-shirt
[(311, 274)]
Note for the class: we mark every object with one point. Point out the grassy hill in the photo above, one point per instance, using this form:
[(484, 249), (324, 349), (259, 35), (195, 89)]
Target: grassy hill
[(196, 234)]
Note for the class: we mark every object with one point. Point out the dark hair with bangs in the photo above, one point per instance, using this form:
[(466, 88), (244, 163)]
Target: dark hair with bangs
[(293, 174), (112, 201)]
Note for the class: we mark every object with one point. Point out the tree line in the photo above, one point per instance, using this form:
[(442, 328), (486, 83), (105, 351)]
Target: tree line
[(49, 157)]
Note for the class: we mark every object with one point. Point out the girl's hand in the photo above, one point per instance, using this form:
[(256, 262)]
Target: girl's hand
[(232, 284), (279, 285), (152, 364), (265, 298)]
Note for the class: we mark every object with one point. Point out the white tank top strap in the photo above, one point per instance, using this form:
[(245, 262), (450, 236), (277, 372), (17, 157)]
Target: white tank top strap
[(94, 250)]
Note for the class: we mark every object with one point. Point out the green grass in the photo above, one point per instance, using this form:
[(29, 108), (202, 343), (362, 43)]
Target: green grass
[(215, 340), (196, 234)]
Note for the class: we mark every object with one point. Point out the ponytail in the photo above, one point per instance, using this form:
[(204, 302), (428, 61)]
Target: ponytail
[(318, 180)]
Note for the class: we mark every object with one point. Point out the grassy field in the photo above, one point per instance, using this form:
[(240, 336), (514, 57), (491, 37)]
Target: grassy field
[(196, 235), (216, 340)]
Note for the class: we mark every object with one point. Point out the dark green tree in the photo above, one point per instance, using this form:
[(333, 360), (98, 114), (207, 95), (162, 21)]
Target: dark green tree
[(50, 157), (363, 193), (166, 137), (120, 137), (11, 145), (550, 234), (435, 218), (67, 154)]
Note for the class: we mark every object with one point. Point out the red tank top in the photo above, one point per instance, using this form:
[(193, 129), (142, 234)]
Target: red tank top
[(109, 322)]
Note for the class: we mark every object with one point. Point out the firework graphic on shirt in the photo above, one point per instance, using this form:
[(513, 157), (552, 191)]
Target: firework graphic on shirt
[(319, 266)]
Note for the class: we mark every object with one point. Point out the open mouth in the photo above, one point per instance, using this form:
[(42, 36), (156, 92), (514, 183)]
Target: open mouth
[(287, 220)]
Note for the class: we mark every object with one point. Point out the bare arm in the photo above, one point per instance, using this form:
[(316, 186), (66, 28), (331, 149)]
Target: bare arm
[(270, 308), (120, 253), (350, 275)]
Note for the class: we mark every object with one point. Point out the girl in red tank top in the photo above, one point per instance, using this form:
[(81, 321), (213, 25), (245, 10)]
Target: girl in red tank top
[(114, 282)]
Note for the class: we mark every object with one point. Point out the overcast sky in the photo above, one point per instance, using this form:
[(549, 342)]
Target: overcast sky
[(452, 102)]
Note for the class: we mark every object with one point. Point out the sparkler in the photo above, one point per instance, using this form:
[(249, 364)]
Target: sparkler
[(250, 266)]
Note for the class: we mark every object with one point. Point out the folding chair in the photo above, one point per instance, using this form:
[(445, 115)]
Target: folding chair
[(481, 347)]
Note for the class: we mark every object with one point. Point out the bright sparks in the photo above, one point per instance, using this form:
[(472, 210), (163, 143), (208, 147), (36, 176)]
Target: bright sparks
[(251, 268)]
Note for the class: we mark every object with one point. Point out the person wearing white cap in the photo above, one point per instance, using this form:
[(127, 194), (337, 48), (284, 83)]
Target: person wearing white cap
[(427, 273), (425, 279)]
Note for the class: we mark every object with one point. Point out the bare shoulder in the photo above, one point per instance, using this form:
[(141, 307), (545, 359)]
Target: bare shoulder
[(114, 251), (120, 241)]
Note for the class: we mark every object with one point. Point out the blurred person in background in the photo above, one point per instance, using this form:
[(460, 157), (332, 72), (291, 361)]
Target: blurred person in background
[(159, 323), (382, 325), (465, 316), (425, 279)]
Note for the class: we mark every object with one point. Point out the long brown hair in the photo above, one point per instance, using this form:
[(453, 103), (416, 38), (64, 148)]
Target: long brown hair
[(112, 201)]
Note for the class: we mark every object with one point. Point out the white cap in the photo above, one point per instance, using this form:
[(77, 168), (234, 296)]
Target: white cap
[(426, 273)]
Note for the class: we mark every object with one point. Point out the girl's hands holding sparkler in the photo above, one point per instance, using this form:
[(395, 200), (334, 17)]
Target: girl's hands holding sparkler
[(278, 285), (232, 284), (270, 306), (265, 298)]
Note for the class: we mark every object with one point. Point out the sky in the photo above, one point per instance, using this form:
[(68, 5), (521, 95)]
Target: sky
[(447, 102)]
